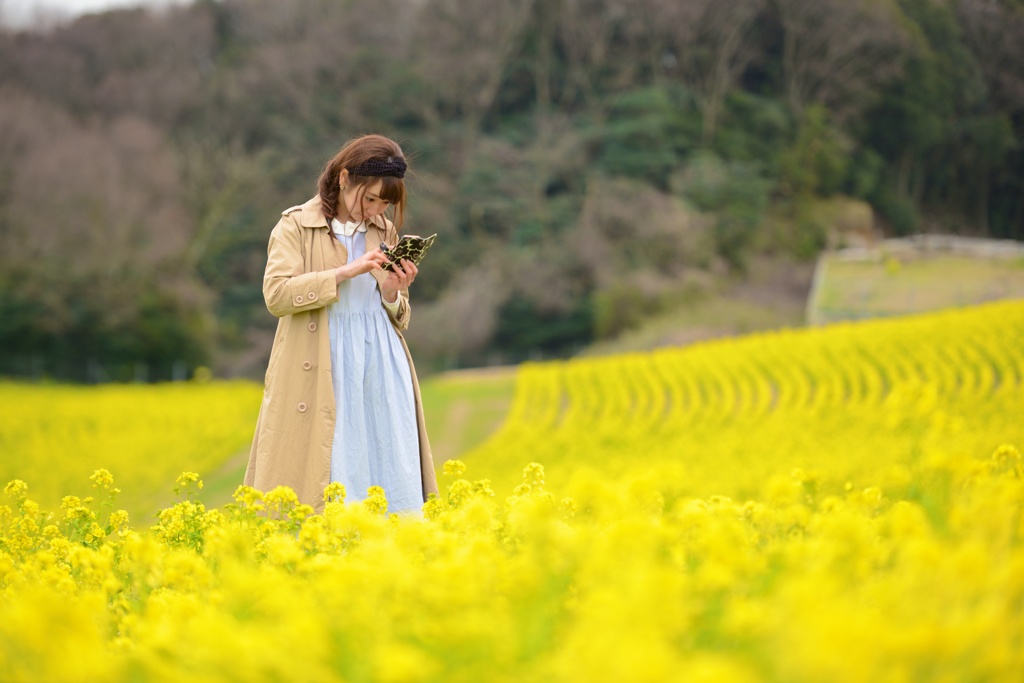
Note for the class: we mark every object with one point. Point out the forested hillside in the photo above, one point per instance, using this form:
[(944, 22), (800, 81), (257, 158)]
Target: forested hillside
[(584, 162)]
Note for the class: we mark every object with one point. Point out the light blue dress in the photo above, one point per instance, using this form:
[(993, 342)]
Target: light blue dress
[(376, 440)]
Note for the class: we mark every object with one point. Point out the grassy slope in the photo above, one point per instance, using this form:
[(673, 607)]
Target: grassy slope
[(859, 289), (772, 295)]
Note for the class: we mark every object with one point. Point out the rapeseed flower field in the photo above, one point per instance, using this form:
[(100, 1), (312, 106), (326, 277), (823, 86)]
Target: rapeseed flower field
[(55, 436), (835, 504)]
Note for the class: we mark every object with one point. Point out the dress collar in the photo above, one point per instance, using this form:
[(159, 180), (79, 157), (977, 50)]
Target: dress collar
[(347, 228)]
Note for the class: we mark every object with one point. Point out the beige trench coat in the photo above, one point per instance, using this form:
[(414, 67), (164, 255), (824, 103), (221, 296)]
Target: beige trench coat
[(295, 428)]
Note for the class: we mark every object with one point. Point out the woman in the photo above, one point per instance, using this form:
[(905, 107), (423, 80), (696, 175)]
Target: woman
[(341, 401)]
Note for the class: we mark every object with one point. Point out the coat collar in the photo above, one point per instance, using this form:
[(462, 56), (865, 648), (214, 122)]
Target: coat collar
[(313, 217)]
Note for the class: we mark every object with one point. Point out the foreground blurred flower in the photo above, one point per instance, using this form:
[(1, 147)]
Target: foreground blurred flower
[(376, 502)]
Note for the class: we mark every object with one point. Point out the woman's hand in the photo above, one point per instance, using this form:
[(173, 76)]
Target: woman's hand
[(371, 260), (398, 279)]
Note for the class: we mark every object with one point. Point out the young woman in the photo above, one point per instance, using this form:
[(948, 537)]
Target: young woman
[(341, 401)]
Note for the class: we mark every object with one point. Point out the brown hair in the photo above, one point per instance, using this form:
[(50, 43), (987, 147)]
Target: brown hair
[(355, 153)]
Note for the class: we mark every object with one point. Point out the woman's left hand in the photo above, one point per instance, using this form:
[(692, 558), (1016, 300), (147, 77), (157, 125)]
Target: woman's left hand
[(398, 279)]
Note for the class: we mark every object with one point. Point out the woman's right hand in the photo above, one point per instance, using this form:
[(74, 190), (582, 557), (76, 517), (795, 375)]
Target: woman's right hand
[(371, 260)]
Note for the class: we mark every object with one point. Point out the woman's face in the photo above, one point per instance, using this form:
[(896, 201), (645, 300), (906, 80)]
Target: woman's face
[(364, 202)]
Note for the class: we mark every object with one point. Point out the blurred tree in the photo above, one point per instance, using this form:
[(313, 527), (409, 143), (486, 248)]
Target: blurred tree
[(712, 51), (994, 31), (734, 195), (647, 133), (542, 54), (463, 49), (633, 247), (91, 243), (754, 128), (944, 136), (125, 62), (837, 52), (205, 120), (460, 323), (818, 160), (598, 40)]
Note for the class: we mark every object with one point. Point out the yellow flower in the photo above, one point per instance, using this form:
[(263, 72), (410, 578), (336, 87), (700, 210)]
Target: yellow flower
[(118, 521), (247, 496), (482, 487), (458, 492), (281, 500), (300, 513), (186, 479), (376, 502), (95, 533), (433, 508), (16, 489), (454, 468), (102, 479), (335, 491), (533, 474), (1007, 459)]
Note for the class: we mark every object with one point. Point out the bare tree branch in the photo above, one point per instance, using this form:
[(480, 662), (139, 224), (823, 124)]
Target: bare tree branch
[(836, 52), (714, 51), (995, 33), (463, 48)]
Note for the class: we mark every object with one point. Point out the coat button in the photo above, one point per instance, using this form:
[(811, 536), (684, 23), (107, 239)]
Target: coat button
[(312, 326), (311, 296), (301, 407), (299, 299), (306, 365)]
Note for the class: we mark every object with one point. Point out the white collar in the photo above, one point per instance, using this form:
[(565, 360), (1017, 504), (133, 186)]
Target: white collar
[(348, 228)]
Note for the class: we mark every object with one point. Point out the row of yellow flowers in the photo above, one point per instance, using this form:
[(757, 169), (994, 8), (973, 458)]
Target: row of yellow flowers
[(847, 401), (840, 504)]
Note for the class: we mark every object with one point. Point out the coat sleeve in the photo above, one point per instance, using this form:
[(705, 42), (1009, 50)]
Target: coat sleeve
[(287, 288), (400, 317)]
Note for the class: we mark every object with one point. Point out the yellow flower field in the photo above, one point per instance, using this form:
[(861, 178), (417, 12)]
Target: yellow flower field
[(838, 504), (145, 434), (846, 403)]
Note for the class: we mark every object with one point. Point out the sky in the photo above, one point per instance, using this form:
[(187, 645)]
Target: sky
[(24, 13)]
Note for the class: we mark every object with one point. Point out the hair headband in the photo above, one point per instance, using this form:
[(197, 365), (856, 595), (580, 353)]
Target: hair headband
[(391, 166)]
